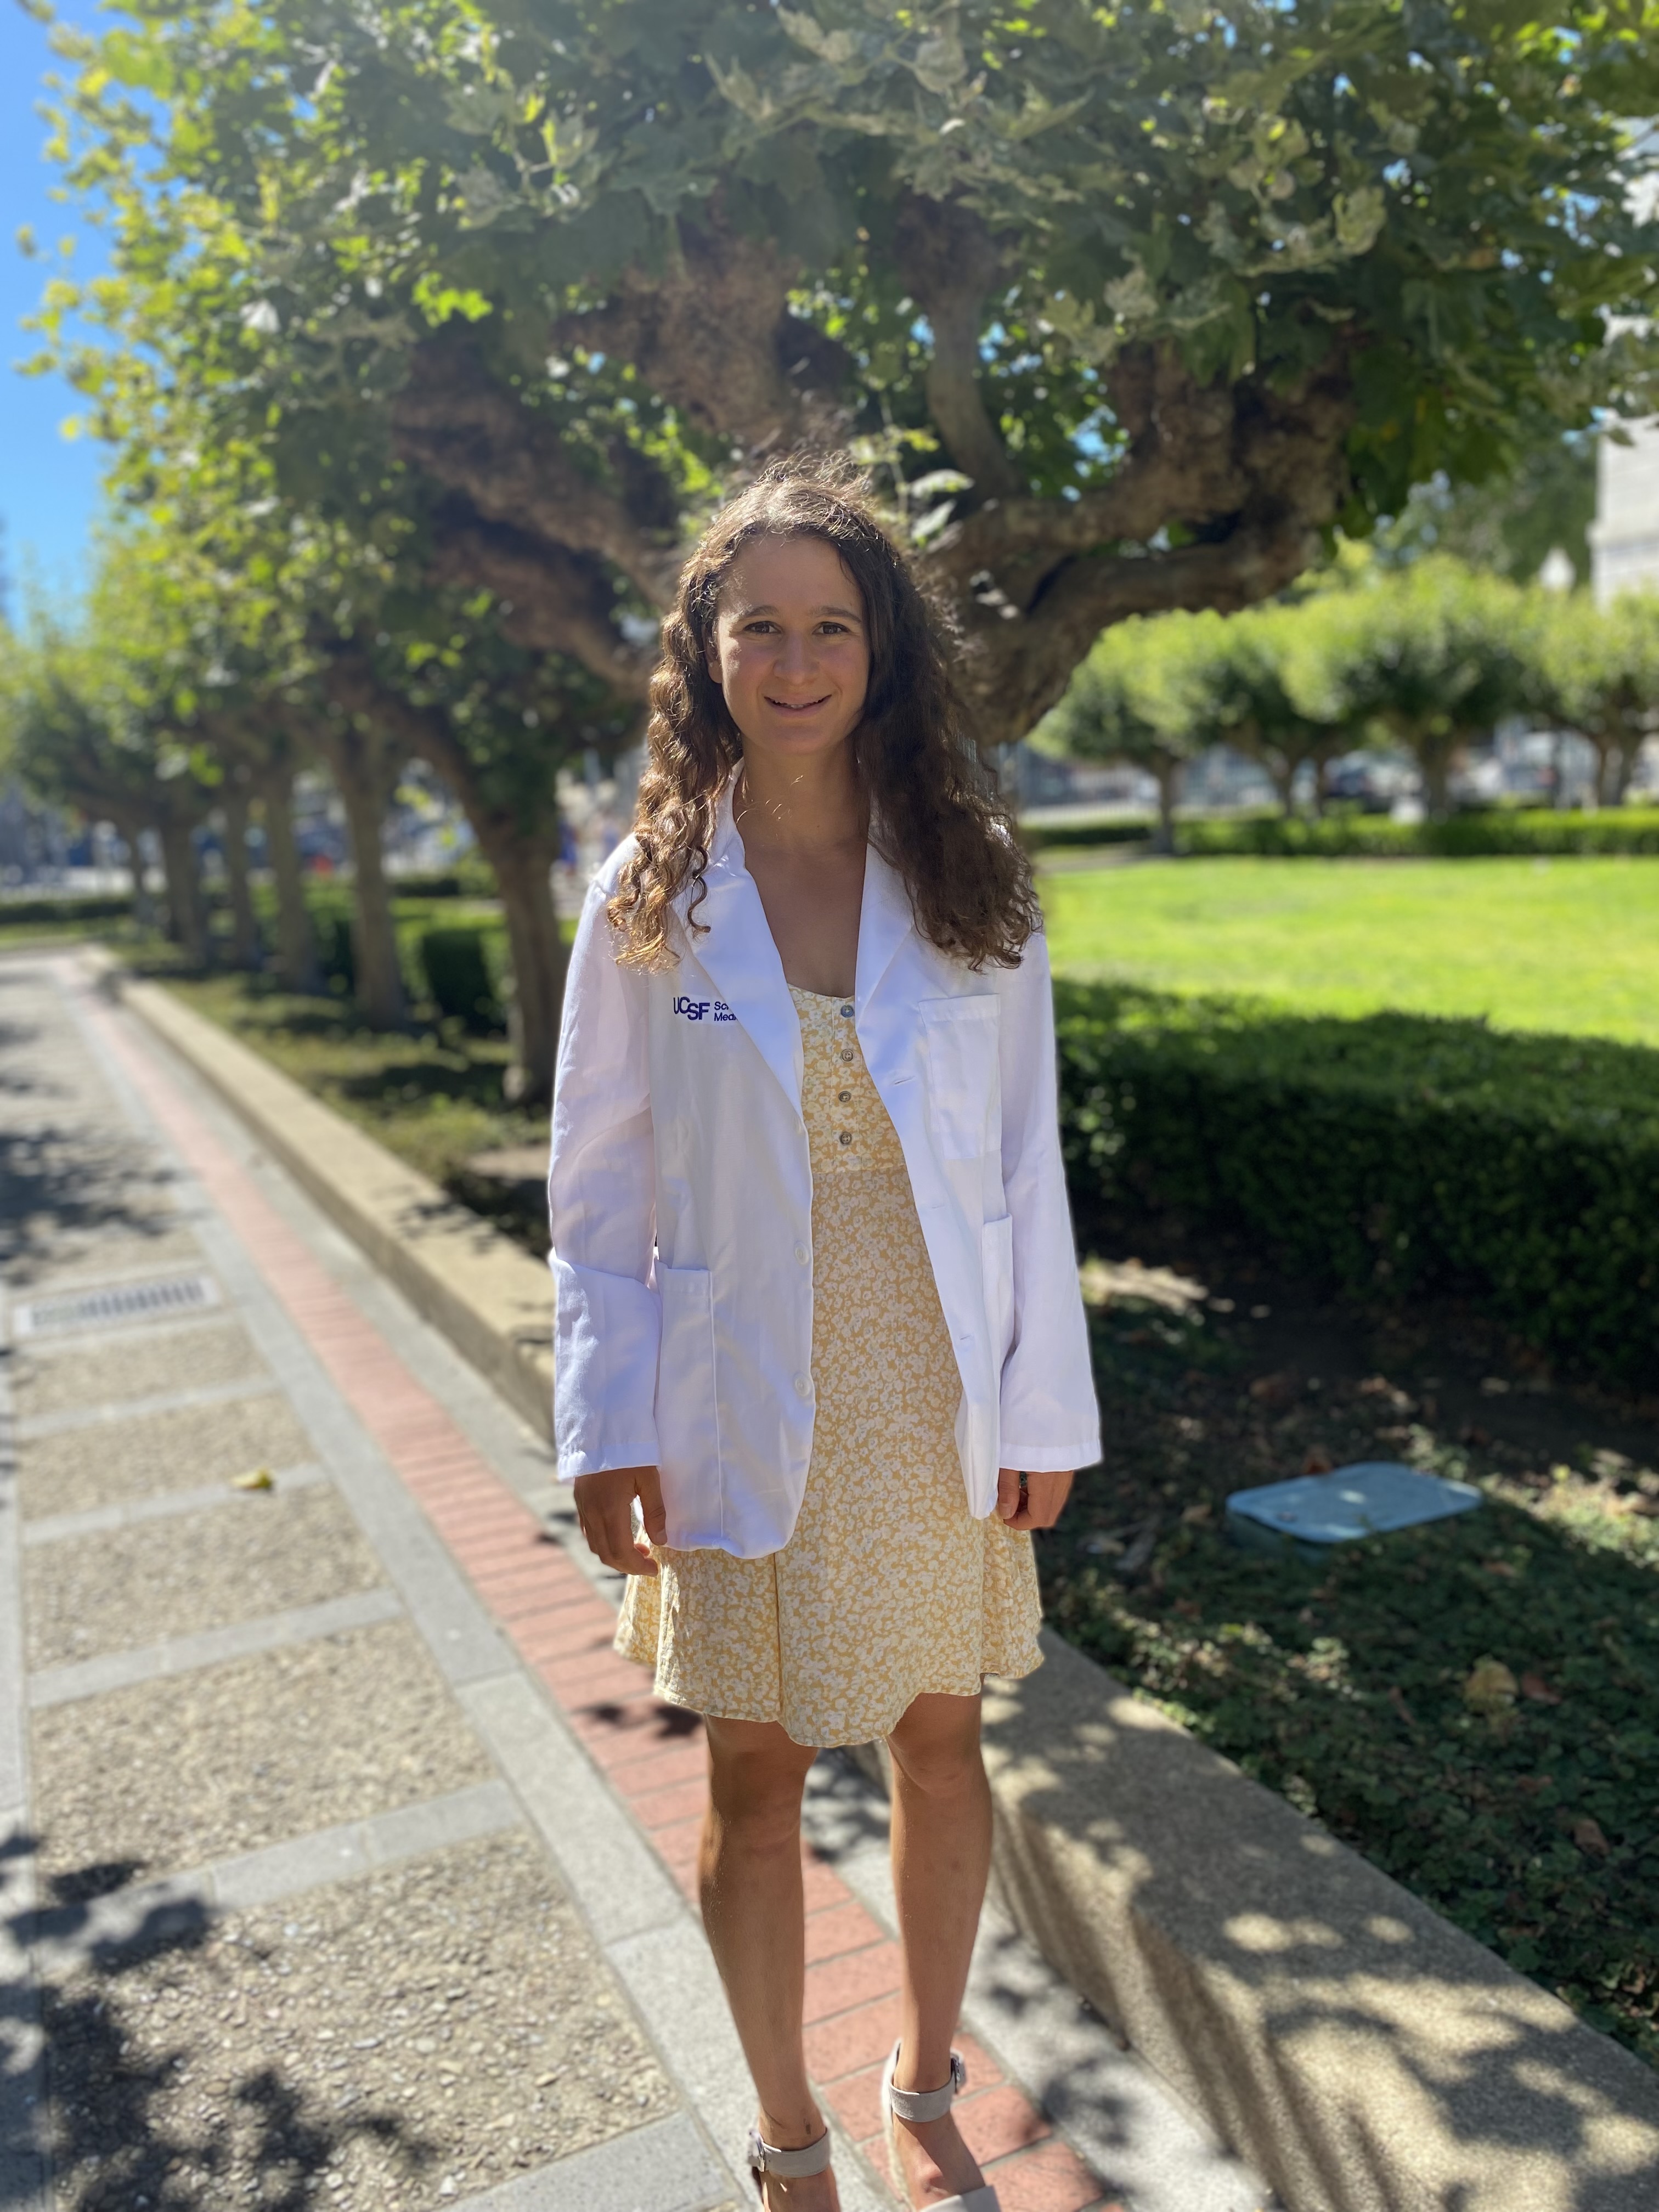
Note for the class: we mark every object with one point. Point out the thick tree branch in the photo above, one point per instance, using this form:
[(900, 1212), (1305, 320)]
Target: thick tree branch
[(1253, 475), (714, 336), (1017, 670), (949, 262), (456, 422), (551, 600)]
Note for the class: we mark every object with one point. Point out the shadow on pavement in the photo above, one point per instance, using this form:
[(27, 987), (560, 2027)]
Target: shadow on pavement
[(123, 2128)]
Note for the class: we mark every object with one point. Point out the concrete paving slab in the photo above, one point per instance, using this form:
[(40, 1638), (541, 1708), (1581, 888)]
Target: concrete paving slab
[(56, 1376), (662, 2168), (62, 1936), (116, 1413), (158, 1580), (270, 1632), (176, 1450), (93, 1256), (193, 1767), (601, 1854), (139, 1512), (396, 2042)]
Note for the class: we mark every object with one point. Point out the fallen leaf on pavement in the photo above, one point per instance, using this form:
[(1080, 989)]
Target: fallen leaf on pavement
[(260, 1478)]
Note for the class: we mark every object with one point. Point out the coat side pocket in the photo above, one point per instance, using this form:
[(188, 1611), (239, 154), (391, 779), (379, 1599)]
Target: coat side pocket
[(688, 1420), (964, 1099), (997, 1265)]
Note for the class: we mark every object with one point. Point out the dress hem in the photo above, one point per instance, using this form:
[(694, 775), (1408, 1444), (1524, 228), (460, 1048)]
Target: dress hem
[(877, 1733)]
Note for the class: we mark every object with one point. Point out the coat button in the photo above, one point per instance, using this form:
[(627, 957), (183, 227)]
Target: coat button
[(803, 1386), (802, 1255), (847, 1013)]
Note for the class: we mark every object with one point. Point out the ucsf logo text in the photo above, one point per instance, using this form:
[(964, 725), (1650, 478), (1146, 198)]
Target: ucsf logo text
[(702, 1010)]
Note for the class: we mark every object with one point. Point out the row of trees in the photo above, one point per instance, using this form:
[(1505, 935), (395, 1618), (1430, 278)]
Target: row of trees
[(432, 332), (1430, 656), (183, 692)]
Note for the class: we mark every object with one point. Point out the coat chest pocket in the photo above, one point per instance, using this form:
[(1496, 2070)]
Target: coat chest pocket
[(964, 1098)]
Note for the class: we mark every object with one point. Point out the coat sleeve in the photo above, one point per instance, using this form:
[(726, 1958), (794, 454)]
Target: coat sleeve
[(601, 1214), (1050, 1421)]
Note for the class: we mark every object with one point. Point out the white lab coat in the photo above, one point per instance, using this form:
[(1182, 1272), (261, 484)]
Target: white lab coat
[(680, 1200)]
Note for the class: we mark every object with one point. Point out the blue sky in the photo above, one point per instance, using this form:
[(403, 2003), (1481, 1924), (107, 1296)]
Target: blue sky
[(48, 485)]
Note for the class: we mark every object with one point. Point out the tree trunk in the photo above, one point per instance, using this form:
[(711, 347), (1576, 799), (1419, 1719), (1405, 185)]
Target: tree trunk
[(1282, 769), (1434, 758), (186, 914), (245, 927), (524, 876), (1168, 773), (360, 772), (296, 940), (1626, 753), (1319, 764), (131, 832)]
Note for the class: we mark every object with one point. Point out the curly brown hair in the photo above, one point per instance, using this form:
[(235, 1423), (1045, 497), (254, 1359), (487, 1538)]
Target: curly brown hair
[(934, 810)]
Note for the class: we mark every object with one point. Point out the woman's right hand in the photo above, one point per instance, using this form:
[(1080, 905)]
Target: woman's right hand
[(604, 1507)]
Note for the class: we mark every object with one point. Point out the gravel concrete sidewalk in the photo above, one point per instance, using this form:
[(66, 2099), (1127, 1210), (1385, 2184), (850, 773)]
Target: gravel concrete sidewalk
[(340, 1863)]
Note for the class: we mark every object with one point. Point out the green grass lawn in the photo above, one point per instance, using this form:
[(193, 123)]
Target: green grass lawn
[(1565, 945)]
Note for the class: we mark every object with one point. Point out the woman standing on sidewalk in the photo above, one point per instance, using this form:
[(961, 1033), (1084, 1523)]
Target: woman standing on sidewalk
[(818, 1308)]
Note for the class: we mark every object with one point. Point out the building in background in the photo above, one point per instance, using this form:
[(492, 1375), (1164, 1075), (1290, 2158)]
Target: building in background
[(1624, 535)]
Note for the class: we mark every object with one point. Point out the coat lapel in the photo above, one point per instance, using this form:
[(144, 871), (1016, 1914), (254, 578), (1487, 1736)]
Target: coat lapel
[(740, 958), (885, 920)]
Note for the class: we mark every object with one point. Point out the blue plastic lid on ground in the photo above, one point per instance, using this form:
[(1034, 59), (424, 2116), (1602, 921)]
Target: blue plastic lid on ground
[(1371, 1498)]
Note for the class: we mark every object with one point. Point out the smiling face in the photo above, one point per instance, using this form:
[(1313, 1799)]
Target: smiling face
[(791, 647)]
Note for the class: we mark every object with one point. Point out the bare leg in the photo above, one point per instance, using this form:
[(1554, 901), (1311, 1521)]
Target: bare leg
[(941, 1857), (753, 1907)]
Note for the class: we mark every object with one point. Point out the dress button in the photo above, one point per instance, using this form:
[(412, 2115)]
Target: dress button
[(845, 1098), (803, 1386), (846, 1052), (846, 1136), (802, 1254), (847, 1013)]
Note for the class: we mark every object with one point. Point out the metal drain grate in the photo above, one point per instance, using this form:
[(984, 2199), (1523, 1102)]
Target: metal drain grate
[(117, 1303)]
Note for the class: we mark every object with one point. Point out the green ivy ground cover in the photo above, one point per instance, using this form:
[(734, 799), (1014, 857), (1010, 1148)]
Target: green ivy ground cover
[(1472, 1706), (1567, 945)]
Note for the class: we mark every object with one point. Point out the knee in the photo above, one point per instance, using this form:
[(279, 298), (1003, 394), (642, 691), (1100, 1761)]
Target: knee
[(938, 1762), (756, 1802)]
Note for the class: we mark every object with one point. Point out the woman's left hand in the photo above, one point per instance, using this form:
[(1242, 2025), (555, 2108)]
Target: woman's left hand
[(1038, 1505)]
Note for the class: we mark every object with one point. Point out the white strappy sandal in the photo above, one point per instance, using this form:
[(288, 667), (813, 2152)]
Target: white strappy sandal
[(766, 2158), (931, 2105)]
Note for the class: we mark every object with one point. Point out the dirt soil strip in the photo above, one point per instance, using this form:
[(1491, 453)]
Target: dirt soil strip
[(561, 1627)]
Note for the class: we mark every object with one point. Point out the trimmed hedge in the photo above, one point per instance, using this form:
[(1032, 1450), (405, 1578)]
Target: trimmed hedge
[(1481, 834), (1495, 833), (1390, 1154), (104, 907), (461, 978)]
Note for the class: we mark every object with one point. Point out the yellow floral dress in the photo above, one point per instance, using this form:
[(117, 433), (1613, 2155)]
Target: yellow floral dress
[(889, 1588)]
